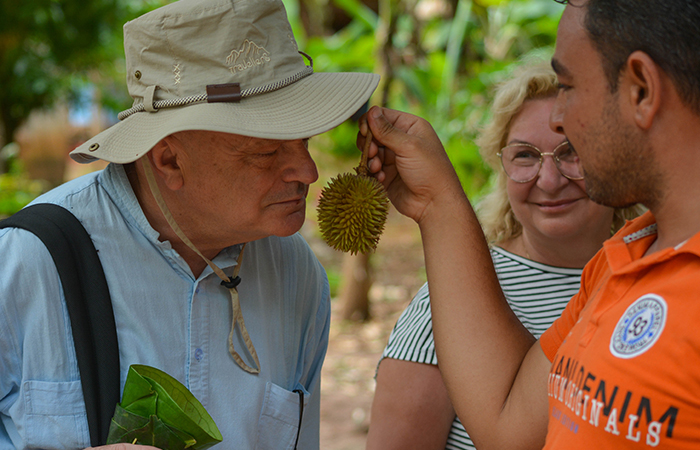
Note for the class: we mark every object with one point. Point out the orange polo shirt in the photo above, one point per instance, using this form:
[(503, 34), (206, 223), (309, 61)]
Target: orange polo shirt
[(626, 351)]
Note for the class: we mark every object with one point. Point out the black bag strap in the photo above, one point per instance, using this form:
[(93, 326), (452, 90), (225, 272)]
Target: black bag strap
[(89, 307)]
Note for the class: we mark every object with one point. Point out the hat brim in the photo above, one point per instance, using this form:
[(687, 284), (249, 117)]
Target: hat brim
[(311, 106)]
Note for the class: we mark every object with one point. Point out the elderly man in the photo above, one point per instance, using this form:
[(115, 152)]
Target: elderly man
[(620, 368), (209, 176)]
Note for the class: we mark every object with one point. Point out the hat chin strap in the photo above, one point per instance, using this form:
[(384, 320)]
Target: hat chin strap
[(230, 283)]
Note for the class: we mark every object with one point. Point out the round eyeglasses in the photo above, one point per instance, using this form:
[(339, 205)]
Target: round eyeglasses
[(522, 162)]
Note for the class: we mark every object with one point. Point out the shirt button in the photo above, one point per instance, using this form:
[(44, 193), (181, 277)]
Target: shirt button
[(196, 291), (199, 354)]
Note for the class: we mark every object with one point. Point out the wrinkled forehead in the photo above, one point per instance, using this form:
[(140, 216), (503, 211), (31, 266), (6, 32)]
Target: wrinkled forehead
[(228, 141)]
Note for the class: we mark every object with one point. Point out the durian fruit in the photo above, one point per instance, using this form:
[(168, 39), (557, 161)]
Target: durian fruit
[(353, 209)]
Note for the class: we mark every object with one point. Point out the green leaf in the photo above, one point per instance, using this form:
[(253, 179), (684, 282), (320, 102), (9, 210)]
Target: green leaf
[(149, 393), (139, 396), (178, 408), (130, 428)]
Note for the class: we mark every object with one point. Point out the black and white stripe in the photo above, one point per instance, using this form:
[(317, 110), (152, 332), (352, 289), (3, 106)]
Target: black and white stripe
[(538, 294)]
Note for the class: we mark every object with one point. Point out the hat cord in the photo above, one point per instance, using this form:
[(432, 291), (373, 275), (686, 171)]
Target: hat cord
[(231, 283), (184, 101)]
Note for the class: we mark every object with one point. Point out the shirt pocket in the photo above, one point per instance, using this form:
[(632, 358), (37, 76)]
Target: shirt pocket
[(279, 418), (55, 415)]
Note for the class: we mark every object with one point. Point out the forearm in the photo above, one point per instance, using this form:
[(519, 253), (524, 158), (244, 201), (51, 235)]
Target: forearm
[(494, 374), (479, 341)]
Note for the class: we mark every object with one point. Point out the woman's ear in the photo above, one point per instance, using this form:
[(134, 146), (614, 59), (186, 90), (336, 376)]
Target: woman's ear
[(164, 158), (643, 83)]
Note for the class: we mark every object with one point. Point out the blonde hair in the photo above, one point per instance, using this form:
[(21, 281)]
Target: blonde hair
[(533, 80)]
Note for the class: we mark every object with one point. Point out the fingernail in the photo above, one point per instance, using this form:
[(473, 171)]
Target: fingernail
[(376, 113)]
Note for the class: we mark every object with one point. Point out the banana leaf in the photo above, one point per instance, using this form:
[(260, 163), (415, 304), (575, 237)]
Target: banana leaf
[(158, 410)]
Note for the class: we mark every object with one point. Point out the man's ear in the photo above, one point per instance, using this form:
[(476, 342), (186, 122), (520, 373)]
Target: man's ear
[(643, 82), (164, 160)]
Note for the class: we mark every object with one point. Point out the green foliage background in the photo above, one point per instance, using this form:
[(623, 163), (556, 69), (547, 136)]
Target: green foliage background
[(442, 66), (439, 59), (16, 189)]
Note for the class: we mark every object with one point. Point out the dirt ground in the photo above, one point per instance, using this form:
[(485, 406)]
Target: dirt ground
[(347, 380)]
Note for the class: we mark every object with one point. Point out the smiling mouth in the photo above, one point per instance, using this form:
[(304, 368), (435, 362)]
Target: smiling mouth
[(558, 204)]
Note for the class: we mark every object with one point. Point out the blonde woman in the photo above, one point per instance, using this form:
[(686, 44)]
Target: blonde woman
[(542, 228)]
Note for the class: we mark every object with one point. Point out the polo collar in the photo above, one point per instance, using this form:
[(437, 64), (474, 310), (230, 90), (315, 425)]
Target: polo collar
[(625, 251)]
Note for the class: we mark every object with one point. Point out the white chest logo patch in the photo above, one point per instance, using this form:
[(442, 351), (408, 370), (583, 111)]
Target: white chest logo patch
[(639, 327)]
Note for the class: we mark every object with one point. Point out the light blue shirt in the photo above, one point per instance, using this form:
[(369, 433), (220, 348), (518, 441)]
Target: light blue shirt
[(165, 318)]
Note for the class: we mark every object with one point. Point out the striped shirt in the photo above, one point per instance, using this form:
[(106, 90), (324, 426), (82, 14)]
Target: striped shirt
[(536, 292)]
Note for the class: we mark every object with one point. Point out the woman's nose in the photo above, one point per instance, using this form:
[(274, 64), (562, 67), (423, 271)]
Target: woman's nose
[(550, 178)]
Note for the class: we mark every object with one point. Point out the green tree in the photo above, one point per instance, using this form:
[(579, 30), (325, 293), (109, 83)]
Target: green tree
[(438, 59), (50, 49)]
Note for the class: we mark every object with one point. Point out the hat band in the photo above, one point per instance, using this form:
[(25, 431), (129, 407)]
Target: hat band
[(184, 101)]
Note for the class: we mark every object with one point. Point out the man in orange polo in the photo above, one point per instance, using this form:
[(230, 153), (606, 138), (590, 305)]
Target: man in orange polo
[(621, 367)]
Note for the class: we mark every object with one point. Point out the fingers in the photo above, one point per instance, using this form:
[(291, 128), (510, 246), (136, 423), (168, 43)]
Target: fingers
[(404, 134), (395, 128), (376, 164), (383, 130), (362, 137), (376, 153)]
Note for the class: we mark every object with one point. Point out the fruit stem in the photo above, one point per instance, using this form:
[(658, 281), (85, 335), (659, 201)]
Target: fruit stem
[(362, 169)]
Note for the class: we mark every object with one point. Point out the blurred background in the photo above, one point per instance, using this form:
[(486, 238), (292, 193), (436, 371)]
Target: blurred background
[(62, 80)]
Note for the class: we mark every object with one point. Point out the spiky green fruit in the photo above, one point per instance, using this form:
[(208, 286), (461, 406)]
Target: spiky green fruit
[(352, 212)]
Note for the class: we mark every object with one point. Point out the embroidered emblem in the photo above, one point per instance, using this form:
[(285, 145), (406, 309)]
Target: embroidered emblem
[(639, 327), (250, 54), (176, 73)]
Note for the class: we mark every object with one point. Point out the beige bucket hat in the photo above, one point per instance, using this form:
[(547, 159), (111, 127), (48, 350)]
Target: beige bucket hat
[(222, 65)]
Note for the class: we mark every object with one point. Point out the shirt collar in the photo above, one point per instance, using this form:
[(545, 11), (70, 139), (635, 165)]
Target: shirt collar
[(625, 251), (116, 183)]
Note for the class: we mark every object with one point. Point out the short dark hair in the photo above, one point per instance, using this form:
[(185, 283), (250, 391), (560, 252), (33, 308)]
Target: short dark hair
[(667, 30)]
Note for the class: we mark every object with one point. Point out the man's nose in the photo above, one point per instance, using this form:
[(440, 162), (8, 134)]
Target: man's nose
[(299, 166), (556, 116)]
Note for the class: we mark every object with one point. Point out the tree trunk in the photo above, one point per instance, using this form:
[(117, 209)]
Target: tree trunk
[(355, 284)]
